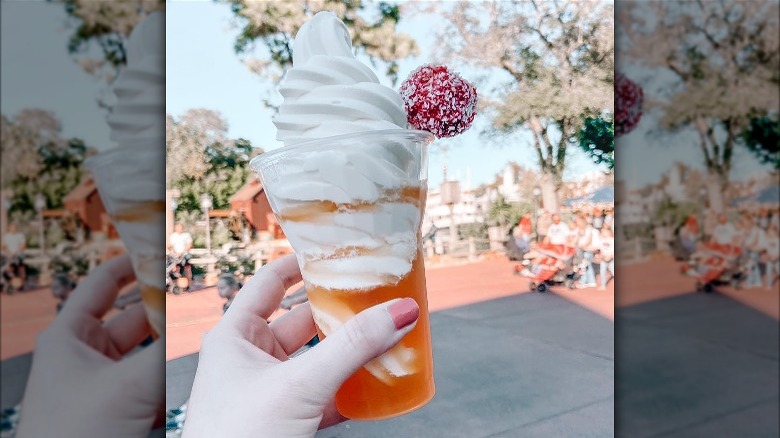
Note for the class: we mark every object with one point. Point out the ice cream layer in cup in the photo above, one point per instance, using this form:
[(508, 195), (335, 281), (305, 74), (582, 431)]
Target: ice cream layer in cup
[(131, 184)]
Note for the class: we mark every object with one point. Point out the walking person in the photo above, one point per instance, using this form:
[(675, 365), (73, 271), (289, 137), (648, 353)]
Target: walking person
[(755, 239), (607, 256), (772, 256), (588, 242), (13, 245)]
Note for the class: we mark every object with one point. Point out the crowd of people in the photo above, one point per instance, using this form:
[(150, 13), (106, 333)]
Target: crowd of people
[(585, 243), (748, 240)]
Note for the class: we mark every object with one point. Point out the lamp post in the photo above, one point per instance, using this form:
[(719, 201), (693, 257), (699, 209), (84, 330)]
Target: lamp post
[(205, 205), (703, 196), (40, 205), (450, 195), (537, 192)]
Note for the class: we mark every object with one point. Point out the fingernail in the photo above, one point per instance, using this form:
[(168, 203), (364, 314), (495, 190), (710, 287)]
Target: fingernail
[(404, 312)]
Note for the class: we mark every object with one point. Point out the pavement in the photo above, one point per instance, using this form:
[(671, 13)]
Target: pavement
[(697, 365), (660, 278), (508, 362), (528, 364), (189, 316)]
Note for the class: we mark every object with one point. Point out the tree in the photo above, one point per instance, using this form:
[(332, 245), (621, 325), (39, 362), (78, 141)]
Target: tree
[(274, 24), (762, 138), (37, 160), (559, 60), (107, 26), (724, 56), (597, 139), (22, 136), (201, 158)]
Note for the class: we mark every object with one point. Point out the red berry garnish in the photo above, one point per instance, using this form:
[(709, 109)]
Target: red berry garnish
[(439, 101), (628, 104)]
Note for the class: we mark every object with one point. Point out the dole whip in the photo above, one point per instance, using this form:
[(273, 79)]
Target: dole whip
[(349, 189), (131, 177)]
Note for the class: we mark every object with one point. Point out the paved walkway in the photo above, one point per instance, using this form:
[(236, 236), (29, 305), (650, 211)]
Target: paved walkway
[(190, 315), (697, 365), (660, 278), (526, 364)]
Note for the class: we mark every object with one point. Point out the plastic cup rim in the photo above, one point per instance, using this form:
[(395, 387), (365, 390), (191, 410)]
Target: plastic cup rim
[(257, 162)]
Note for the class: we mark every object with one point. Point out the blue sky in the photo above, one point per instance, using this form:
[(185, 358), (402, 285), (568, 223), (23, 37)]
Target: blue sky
[(203, 71), (38, 72)]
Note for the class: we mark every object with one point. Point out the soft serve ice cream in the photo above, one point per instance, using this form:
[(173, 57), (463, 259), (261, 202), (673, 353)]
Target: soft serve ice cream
[(328, 91), (349, 189), (131, 177), (352, 213)]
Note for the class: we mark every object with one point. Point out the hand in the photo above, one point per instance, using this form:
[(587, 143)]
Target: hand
[(246, 385), (83, 381)]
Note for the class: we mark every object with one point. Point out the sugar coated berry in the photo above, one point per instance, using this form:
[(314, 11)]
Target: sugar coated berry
[(439, 101), (628, 104)]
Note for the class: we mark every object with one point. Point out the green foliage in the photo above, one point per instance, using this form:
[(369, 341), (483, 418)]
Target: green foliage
[(762, 138), (597, 139), (504, 213), (274, 24), (60, 173), (227, 172), (477, 230), (670, 213)]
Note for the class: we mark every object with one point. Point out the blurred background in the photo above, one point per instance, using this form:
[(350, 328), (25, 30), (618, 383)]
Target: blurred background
[(698, 213), (542, 143)]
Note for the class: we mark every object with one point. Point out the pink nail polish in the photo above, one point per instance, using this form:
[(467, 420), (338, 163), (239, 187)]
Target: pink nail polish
[(404, 312)]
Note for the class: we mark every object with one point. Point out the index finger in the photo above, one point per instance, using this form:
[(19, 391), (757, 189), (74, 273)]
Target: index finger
[(95, 295), (262, 294)]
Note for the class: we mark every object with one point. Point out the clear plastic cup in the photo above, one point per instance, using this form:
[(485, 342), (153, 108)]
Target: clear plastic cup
[(351, 207), (131, 184)]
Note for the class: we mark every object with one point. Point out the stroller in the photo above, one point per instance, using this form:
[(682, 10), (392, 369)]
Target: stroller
[(12, 275), (553, 267), (717, 264), (176, 279)]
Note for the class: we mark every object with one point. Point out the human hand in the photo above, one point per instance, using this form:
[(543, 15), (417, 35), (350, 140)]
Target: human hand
[(246, 384), (83, 381)]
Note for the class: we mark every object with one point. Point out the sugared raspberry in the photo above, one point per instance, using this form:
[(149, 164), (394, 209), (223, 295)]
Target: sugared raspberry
[(628, 104), (439, 101)]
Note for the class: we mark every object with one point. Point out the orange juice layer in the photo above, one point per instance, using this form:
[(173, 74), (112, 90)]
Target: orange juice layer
[(154, 301), (308, 211), (364, 396)]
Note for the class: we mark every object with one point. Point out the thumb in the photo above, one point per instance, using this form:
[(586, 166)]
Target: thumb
[(361, 339)]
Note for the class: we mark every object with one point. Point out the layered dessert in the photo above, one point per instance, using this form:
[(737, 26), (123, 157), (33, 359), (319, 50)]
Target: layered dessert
[(349, 189), (131, 177)]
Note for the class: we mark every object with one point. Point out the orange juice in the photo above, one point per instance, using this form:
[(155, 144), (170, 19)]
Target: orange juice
[(364, 395), (351, 207)]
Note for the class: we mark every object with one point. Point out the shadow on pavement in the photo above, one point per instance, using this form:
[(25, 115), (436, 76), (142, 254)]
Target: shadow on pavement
[(696, 365), (524, 365)]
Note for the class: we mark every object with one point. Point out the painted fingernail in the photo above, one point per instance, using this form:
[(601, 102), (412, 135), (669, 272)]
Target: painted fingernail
[(404, 312)]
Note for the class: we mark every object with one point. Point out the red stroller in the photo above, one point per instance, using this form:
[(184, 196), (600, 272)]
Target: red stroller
[(554, 266), (717, 264)]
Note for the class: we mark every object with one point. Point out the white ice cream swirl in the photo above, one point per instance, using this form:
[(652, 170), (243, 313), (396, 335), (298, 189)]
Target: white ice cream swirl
[(131, 177), (351, 209), (139, 112), (328, 92), (370, 238)]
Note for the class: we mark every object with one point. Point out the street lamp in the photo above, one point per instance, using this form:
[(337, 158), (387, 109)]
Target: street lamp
[(537, 192), (205, 205), (40, 205), (450, 196)]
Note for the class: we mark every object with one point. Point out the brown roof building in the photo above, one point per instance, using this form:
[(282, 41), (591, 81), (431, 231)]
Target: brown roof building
[(84, 201), (251, 201)]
